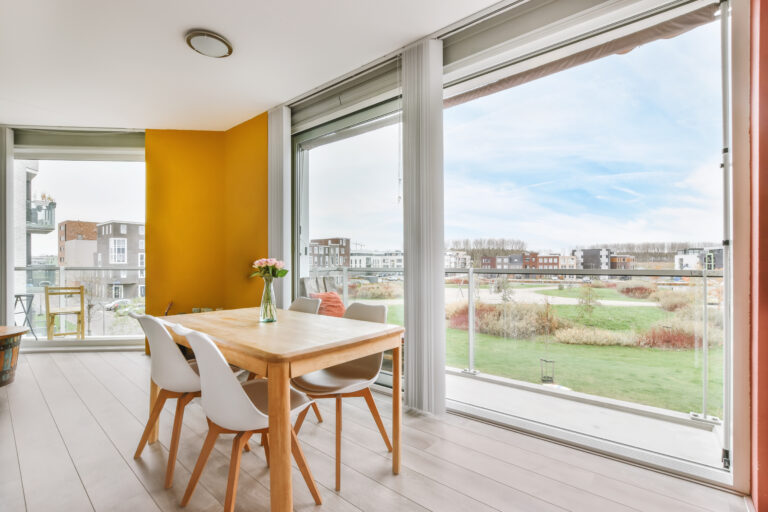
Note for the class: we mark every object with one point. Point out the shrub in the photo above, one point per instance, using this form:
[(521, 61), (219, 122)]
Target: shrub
[(593, 336), (510, 319), (679, 332), (636, 289), (671, 300), (384, 290)]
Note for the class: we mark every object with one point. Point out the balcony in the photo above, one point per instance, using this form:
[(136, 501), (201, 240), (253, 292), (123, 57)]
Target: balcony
[(626, 360), (109, 298), (41, 216)]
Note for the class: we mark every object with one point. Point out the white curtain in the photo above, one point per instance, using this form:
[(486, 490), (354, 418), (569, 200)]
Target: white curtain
[(422, 86), (6, 226)]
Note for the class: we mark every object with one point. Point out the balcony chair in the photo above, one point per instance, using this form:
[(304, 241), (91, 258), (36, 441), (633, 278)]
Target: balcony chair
[(235, 408), (305, 305), (175, 376), (351, 379), (52, 312)]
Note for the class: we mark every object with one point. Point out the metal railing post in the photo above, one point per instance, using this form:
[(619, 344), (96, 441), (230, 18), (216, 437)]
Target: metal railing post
[(345, 285), (471, 321), (705, 348)]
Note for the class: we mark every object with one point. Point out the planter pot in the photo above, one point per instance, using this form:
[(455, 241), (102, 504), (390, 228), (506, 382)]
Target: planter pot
[(10, 339)]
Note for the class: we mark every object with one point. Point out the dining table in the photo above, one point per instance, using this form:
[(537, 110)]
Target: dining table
[(296, 344)]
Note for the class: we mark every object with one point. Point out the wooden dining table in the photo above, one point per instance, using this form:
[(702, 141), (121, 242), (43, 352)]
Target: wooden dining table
[(298, 343)]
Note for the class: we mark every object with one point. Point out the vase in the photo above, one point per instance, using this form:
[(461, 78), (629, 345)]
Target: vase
[(268, 306)]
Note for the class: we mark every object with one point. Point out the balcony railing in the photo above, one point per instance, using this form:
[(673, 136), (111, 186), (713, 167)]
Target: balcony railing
[(655, 338), (110, 294), (41, 216)]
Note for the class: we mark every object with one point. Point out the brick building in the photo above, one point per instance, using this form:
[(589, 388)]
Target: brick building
[(330, 252), (77, 243)]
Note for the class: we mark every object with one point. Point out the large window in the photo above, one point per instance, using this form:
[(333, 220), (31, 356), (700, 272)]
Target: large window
[(79, 223), (611, 167)]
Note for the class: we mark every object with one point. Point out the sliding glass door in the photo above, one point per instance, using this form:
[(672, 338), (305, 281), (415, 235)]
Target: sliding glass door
[(587, 290), (349, 237)]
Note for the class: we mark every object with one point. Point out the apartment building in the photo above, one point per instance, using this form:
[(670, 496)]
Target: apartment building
[(457, 259), (622, 262), (512, 261), (329, 252), (593, 259), (377, 259), (77, 243), (120, 247), (531, 260)]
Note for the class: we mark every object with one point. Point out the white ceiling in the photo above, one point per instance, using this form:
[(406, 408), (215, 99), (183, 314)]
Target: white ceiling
[(124, 64)]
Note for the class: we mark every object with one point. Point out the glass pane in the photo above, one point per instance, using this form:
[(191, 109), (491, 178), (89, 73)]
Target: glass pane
[(601, 187), (79, 224), (352, 222)]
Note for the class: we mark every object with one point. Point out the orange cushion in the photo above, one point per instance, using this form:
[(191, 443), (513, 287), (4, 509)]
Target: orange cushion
[(331, 304)]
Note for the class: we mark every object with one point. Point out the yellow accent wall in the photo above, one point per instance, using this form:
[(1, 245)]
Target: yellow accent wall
[(206, 216)]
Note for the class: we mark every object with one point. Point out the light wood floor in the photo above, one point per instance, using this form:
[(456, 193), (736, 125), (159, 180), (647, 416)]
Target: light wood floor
[(70, 422)]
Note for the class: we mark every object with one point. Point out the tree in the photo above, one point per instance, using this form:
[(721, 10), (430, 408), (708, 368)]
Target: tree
[(587, 301)]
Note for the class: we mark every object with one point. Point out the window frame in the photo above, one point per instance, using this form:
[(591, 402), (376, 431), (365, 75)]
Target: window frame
[(113, 251)]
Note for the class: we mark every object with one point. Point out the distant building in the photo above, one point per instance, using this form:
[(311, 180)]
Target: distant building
[(487, 262), (77, 243), (530, 260), (121, 245), (568, 261), (622, 262), (377, 259), (548, 261), (329, 252), (457, 259), (695, 258), (512, 261), (593, 259)]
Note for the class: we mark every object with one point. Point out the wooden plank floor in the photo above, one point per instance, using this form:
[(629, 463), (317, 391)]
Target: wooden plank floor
[(70, 422)]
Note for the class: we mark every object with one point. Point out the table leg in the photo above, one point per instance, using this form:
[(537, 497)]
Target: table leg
[(281, 491), (397, 413), (154, 391)]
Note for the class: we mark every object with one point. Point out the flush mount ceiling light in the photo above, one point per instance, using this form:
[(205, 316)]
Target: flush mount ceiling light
[(208, 43)]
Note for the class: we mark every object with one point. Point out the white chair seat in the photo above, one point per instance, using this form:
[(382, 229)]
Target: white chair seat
[(341, 379), (257, 393)]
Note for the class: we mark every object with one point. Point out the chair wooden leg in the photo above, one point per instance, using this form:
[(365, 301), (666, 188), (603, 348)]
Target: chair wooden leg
[(181, 404), (265, 444), (156, 410), (210, 440), (298, 456), (375, 411), (338, 442), (300, 419), (234, 470), (252, 375), (317, 412)]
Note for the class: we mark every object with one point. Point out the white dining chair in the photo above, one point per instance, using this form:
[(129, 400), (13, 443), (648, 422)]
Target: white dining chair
[(236, 408), (305, 305), (175, 376), (350, 379)]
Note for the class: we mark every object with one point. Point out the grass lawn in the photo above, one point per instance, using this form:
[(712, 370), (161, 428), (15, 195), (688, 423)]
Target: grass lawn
[(599, 294), (613, 318), (670, 379)]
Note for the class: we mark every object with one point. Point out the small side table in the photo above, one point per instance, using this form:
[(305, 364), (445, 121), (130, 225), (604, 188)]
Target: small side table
[(25, 301)]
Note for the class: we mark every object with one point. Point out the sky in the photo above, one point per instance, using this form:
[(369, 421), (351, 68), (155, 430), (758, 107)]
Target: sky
[(89, 191), (623, 149)]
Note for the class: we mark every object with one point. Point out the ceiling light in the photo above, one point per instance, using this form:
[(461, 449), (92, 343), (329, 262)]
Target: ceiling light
[(208, 43)]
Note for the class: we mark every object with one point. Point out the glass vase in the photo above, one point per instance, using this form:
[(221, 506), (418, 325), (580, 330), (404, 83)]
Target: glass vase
[(268, 306)]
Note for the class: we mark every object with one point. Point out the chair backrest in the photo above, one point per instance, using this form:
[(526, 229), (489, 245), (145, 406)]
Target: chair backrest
[(305, 305), (224, 401), (369, 313), (170, 370), (66, 291)]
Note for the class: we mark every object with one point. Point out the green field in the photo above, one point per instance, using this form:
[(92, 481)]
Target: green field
[(670, 379), (613, 318), (575, 292)]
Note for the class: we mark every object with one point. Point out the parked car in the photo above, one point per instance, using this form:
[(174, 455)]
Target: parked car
[(116, 304)]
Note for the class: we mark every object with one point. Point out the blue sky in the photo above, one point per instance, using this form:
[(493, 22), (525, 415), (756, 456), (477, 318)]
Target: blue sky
[(624, 149)]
